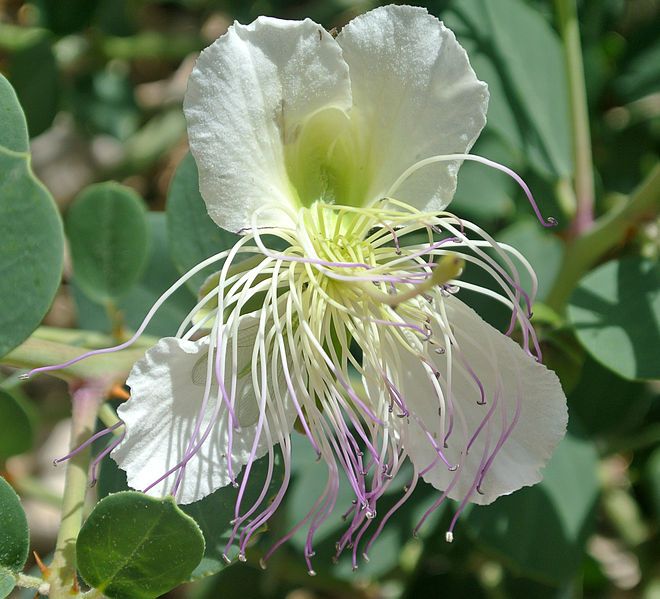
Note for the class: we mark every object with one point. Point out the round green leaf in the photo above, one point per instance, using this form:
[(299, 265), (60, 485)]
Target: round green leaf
[(616, 314), (193, 235), (541, 531), (156, 278), (7, 582), (134, 546), (17, 430), (32, 69), (31, 249), (13, 129), (107, 228), (14, 535)]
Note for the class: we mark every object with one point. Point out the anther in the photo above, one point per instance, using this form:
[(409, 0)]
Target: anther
[(311, 572), (365, 557), (440, 350), (262, 564), (241, 557), (24, 377), (449, 537), (226, 558)]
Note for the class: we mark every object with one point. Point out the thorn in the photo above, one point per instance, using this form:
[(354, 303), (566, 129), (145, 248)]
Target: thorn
[(45, 570), (75, 587), (118, 392)]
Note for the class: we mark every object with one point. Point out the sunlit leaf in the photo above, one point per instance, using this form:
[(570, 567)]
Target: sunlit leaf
[(616, 314), (137, 546)]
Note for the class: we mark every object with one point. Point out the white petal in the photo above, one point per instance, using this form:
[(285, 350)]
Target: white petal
[(249, 92), (492, 356), (167, 389), (415, 95)]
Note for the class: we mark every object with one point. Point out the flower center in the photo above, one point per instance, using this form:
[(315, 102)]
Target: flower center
[(325, 160)]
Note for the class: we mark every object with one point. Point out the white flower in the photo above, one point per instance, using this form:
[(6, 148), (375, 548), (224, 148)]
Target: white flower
[(347, 150)]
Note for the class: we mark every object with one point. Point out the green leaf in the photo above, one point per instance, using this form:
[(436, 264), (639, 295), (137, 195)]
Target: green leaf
[(527, 56), (214, 513), (32, 71), (13, 128), (156, 278), (31, 249), (107, 229), (137, 546), (606, 404), (17, 430), (66, 17), (193, 235), (14, 534), (542, 249), (616, 314), (104, 102), (7, 582), (653, 479), (540, 531)]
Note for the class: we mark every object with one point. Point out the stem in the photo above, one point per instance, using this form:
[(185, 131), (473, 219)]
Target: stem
[(85, 403), (584, 176), (609, 231), (34, 489), (109, 417), (30, 582)]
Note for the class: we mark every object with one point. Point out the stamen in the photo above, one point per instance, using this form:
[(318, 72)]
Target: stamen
[(88, 442), (549, 222)]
